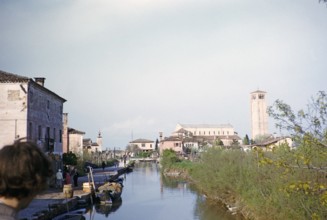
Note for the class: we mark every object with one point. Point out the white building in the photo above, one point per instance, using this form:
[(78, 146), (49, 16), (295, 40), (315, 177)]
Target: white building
[(144, 144), (208, 130), (28, 109), (259, 116)]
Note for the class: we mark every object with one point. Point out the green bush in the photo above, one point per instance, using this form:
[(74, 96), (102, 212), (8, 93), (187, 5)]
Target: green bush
[(168, 158)]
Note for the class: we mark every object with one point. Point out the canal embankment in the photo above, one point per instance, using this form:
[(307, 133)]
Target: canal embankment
[(55, 201), (256, 184)]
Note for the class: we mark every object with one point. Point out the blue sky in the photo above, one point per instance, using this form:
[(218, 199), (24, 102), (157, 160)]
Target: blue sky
[(134, 68)]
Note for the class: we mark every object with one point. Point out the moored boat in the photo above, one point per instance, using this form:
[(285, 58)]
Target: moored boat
[(109, 192)]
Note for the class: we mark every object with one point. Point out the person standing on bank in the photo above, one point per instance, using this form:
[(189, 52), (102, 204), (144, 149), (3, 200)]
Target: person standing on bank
[(24, 172), (59, 179), (75, 177)]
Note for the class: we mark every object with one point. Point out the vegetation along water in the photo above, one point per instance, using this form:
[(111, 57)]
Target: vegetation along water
[(288, 182)]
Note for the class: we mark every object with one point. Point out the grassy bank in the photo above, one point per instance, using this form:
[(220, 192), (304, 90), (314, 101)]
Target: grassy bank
[(263, 185)]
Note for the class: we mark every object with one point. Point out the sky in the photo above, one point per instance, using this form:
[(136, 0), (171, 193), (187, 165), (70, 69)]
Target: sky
[(134, 68)]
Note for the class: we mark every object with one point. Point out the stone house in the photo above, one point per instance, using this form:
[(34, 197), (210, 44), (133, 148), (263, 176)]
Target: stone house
[(91, 146), (144, 144), (274, 142), (172, 142), (75, 141), (29, 110), (72, 139)]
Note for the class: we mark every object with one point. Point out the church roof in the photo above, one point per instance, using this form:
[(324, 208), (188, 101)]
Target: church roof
[(192, 126)]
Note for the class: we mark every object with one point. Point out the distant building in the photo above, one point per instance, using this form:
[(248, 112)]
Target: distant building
[(28, 109), (271, 143), (75, 141), (144, 144), (197, 136), (206, 130), (174, 143), (201, 133), (91, 146), (259, 116)]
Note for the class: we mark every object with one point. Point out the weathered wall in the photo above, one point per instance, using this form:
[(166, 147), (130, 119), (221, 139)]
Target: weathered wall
[(13, 112)]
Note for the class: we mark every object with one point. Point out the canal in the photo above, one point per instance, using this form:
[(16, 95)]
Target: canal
[(148, 196)]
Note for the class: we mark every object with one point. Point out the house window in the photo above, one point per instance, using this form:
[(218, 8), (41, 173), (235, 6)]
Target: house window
[(60, 136), (13, 95), (261, 96), (209, 132), (39, 132), (143, 145), (227, 132), (48, 134), (194, 132), (30, 131), (223, 132), (176, 144), (54, 134)]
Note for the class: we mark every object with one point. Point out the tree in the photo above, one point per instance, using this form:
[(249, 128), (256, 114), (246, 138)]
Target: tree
[(69, 158), (310, 124), (157, 145), (219, 142), (304, 167), (133, 148), (246, 140)]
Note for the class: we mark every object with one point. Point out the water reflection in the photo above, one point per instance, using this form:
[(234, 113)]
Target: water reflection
[(148, 195), (106, 209)]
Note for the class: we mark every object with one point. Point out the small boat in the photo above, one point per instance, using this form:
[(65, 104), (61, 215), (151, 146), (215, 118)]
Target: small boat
[(73, 215), (109, 192)]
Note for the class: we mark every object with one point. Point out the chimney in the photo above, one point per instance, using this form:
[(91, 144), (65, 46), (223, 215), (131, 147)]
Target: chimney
[(39, 80)]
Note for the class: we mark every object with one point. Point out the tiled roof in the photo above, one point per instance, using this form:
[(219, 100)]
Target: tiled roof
[(10, 77), (171, 139), (141, 141), (6, 77), (74, 131), (258, 91)]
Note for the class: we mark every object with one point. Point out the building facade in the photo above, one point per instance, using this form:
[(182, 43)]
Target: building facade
[(188, 137), (143, 144), (75, 141), (29, 110), (174, 143), (208, 130), (259, 116)]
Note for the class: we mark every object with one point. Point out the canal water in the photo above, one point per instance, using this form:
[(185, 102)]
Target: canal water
[(149, 196)]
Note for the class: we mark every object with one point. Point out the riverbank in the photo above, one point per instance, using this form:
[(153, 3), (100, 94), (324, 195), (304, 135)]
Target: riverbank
[(54, 202), (256, 184), (229, 200)]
